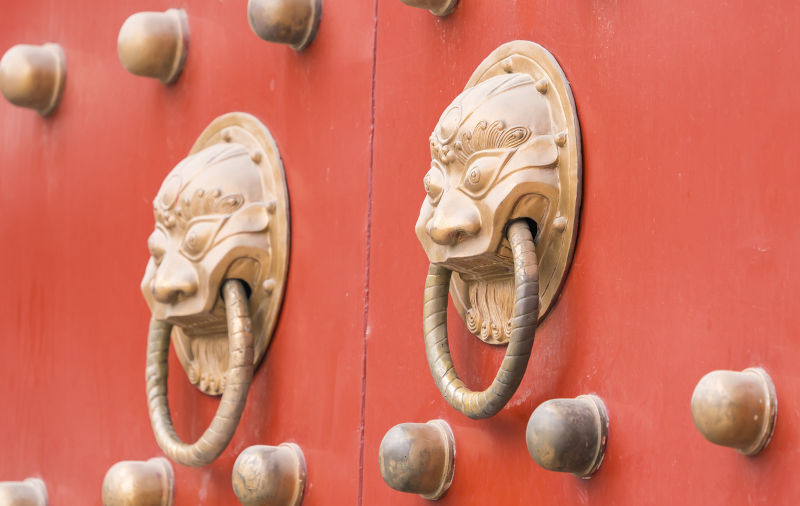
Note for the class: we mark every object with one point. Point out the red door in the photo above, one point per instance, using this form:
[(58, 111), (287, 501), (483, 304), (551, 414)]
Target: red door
[(685, 254), (77, 190), (684, 264)]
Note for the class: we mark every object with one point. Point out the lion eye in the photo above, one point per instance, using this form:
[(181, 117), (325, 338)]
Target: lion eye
[(481, 172), (478, 173), (197, 238), (474, 176), (433, 183)]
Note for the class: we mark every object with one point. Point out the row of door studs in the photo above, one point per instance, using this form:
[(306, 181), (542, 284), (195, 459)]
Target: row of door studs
[(155, 44), (729, 408)]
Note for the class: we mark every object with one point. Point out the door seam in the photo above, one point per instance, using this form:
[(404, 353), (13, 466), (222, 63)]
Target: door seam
[(368, 245)]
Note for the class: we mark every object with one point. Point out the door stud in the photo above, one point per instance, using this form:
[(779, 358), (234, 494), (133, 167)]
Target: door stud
[(139, 483), (437, 7), (290, 22), (154, 44), (569, 435), (418, 458), (34, 76), (736, 409), (31, 492), (270, 475)]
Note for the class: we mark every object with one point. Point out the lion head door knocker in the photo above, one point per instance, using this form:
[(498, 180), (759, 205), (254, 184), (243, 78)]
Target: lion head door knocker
[(501, 214), (215, 279)]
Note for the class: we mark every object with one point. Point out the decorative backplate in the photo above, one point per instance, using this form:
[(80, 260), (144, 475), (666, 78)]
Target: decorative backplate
[(507, 148), (222, 213)]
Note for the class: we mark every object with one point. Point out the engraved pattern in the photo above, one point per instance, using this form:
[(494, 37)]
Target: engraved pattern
[(201, 203), (170, 210), (484, 136), (486, 317)]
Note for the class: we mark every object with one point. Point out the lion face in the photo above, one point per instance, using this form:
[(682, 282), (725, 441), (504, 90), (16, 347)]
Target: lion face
[(494, 159), (212, 217)]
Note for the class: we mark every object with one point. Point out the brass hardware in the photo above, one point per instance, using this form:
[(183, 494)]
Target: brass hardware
[(523, 327), (736, 409), (34, 76), (230, 222), (270, 475), (137, 483), (31, 492), (222, 226), (290, 22), (154, 44), (508, 147), (214, 440), (437, 7), (569, 435), (418, 458)]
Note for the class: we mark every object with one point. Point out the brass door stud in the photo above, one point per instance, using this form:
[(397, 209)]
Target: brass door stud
[(418, 458), (31, 492), (154, 44), (34, 76), (270, 475), (437, 7), (139, 483), (290, 22), (736, 409), (569, 435)]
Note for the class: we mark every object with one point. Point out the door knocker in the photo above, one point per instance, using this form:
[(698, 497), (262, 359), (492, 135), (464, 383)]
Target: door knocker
[(215, 279), (500, 219)]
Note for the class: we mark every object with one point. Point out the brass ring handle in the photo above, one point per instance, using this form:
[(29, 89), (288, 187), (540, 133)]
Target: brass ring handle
[(523, 328), (240, 373)]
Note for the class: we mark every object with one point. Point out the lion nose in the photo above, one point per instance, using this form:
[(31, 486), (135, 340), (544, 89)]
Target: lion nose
[(454, 220), (174, 281)]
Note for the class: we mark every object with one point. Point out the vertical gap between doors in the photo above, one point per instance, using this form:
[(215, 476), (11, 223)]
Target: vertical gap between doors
[(368, 246)]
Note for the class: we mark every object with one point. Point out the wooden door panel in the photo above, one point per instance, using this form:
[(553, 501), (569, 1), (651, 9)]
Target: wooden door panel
[(684, 260), (76, 192)]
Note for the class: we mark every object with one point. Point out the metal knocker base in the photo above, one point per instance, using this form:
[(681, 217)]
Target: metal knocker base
[(240, 373), (205, 362), (523, 327), (558, 225)]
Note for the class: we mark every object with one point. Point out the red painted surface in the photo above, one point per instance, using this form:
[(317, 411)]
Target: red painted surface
[(686, 258), (75, 194)]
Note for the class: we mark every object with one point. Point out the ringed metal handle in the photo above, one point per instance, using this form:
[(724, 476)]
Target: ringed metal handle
[(489, 402), (240, 373)]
